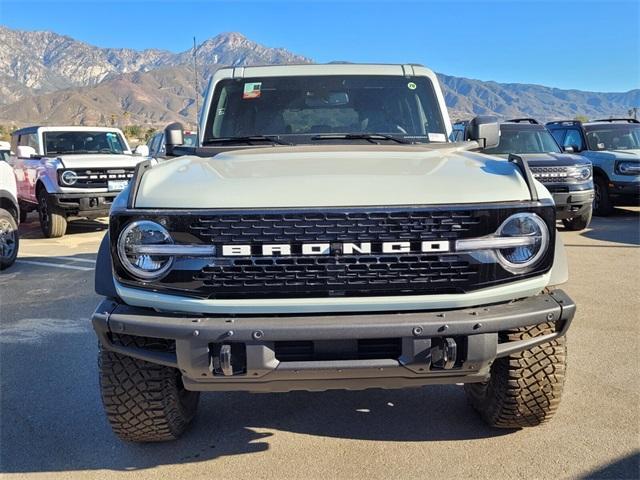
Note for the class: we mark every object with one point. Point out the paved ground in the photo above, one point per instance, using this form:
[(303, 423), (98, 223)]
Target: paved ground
[(52, 424)]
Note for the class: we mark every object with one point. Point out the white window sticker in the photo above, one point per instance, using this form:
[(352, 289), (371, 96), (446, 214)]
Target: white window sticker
[(437, 137)]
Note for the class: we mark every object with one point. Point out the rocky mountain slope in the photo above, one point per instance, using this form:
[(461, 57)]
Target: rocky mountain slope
[(50, 78)]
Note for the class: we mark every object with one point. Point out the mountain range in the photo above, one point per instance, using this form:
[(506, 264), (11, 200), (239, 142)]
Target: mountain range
[(50, 78)]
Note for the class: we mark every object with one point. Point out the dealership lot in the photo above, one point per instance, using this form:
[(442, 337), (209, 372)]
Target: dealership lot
[(53, 424)]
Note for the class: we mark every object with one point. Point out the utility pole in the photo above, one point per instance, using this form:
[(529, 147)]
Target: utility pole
[(195, 73)]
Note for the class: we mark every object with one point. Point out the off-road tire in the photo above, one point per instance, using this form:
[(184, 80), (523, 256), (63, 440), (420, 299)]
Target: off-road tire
[(602, 205), (52, 222), (525, 388), (9, 239), (144, 402), (578, 223)]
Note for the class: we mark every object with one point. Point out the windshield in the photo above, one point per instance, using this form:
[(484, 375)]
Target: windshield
[(4, 155), (524, 141), (302, 108), (68, 143), (614, 138)]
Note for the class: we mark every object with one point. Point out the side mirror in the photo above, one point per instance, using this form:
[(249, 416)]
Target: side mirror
[(485, 130), (25, 151), (141, 151), (568, 149), (173, 137)]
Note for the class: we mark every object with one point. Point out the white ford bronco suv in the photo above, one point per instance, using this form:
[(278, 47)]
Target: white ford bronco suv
[(69, 172), (326, 234)]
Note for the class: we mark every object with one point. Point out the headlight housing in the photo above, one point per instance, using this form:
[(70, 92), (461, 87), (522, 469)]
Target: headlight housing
[(531, 229), (628, 168), (68, 178), (131, 243), (519, 243), (581, 173)]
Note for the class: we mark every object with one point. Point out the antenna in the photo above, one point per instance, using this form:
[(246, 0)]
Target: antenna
[(195, 73)]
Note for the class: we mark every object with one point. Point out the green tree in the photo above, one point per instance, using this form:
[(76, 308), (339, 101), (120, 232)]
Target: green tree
[(581, 118)]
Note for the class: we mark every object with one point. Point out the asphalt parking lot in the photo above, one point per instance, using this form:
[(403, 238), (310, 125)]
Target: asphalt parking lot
[(52, 425)]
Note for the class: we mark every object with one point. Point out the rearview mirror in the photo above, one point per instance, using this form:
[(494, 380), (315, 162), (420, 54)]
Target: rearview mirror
[(141, 151), (568, 149), (173, 137), (25, 151), (485, 130)]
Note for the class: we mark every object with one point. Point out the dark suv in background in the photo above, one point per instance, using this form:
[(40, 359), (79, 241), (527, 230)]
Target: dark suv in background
[(613, 147), (568, 177)]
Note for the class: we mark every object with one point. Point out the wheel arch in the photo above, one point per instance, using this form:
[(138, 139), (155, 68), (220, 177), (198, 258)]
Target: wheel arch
[(10, 204)]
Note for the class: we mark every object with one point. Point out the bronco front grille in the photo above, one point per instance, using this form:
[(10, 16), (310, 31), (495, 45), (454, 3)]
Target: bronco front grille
[(337, 274), (550, 174), (98, 177)]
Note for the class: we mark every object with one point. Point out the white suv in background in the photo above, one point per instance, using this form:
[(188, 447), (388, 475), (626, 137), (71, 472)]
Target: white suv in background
[(70, 172)]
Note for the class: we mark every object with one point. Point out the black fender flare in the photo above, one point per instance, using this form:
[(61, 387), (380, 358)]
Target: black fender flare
[(104, 283)]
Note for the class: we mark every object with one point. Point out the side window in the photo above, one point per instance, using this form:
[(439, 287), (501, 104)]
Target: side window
[(558, 134), (29, 140), (573, 139)]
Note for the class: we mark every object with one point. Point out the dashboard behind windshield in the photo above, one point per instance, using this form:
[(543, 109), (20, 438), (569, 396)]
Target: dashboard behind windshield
[(302, 107), (70, 143)]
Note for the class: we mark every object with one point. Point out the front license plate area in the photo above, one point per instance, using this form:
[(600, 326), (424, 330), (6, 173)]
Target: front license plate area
[(117, 185)]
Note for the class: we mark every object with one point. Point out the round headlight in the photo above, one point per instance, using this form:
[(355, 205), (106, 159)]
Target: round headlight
[(523, 257), (69, 177), (139, 264)]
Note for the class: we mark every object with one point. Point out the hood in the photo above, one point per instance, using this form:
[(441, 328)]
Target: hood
[(632, 151), (99, 161), (331, 176)]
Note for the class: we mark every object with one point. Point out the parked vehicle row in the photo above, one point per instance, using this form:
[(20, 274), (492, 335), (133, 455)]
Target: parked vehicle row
[(613, 147)]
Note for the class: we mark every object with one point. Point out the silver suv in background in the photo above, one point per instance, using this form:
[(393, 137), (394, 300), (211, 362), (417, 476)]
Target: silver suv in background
[(157, 146), (69, 172)]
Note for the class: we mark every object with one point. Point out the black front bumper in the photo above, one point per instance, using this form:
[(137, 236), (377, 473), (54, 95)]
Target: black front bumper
[(573, 203), (255, 342), (625, 193), (88, 204)]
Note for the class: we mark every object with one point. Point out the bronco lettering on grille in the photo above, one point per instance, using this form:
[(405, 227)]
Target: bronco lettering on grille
[(347, 248)]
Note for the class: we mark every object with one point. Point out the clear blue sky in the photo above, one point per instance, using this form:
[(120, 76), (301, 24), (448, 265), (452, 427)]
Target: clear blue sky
[(506, 41)]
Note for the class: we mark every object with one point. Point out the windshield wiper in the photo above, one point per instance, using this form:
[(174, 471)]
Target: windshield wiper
[(248, 139), (371, 137)]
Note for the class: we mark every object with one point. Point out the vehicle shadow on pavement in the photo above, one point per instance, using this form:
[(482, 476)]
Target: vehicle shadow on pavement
[(240, 423), (616, 228), (30, 229), (625, 467)]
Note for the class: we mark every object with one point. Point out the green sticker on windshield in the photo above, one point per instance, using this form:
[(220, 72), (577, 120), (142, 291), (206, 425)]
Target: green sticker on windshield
[(411, 86)]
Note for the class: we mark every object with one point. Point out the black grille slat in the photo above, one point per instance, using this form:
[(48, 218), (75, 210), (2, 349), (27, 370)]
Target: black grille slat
[(358, 275)]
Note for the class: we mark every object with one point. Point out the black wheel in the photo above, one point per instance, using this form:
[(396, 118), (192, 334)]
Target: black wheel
[(9, 239), (52, 222), (525, 388), (578, 223), (144, 402), (601, 202)]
